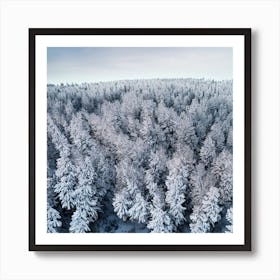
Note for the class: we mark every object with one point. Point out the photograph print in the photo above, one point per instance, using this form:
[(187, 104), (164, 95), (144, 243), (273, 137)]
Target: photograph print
[(138, 142)]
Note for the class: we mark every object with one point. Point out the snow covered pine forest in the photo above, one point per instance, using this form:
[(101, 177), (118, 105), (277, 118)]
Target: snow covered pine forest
[(140, 156)]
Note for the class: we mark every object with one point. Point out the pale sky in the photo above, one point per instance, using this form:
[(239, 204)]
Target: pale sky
[(94, 64)]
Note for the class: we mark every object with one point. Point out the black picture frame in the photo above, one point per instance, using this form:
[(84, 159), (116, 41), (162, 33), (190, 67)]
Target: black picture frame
[(245, 32)]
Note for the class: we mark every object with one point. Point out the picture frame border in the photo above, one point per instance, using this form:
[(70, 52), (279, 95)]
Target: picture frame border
[(246, 32)]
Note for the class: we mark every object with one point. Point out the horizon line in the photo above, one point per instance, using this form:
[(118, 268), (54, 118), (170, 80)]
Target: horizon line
[(140, 79)]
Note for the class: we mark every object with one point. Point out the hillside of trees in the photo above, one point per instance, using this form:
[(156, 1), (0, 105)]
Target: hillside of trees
[(140, 156)]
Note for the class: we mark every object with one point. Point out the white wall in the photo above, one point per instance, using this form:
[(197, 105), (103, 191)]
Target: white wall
[(16, 262)]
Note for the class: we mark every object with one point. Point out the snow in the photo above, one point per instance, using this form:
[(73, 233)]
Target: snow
[(140, 156)]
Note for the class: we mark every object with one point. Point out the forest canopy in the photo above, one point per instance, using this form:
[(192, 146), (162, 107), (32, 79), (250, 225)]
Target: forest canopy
[(140, 156)]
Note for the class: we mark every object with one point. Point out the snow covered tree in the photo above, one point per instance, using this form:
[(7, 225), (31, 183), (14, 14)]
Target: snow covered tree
[(139, 209), (160, 220), (79, 222), (53, 219), (222, 170), (65, 172), (201, 120), (206, 214), (167, 119), (208, 151), (186, 132), (67, 182), (217, 136), (229, 139), (178, 184), (175, 198), (58, 139), (198, 184), (229, 217), (147, 130), (122, 203), (79, 130), (156, 172), (85, 195)]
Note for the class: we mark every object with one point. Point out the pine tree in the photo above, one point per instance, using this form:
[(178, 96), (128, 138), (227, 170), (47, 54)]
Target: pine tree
[(139, 210), (175, 198), (80, 133), (222, 170), (122, 203), (229, 140), (53, 219), (79, 222), (147, 130), (160, 220), (156, 172), (218, 136), (206, 214), (86, 196), (229, 217), (59, 140), (178, 184), (208, 151), (67, 182), (198, 183), (186, 132)]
